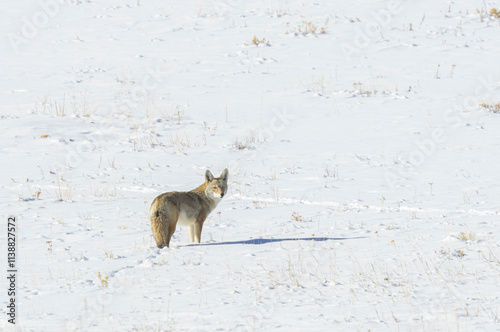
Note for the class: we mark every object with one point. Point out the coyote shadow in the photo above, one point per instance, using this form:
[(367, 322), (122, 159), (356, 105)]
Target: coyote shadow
[(265, 241)]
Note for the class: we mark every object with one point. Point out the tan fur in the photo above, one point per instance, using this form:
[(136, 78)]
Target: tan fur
[(189, 209)]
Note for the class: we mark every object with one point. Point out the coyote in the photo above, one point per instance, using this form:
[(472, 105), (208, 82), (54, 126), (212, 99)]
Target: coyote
[(189, 208)]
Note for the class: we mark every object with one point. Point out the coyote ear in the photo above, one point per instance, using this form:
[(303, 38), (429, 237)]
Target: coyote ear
[(209, 176), (224, 175)]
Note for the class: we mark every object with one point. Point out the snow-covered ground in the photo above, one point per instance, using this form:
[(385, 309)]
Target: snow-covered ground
[(364, 181)]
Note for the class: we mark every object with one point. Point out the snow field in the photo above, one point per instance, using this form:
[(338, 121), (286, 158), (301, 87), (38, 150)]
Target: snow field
[(363, 181)]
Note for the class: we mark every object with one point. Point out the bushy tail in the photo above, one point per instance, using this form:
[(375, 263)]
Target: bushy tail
[(161, 229)]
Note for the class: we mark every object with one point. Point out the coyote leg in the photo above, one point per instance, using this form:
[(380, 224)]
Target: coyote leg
[(191, 233), (197, 232)]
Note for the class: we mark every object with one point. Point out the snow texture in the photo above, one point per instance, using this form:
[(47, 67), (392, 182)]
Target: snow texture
[(361, 140)]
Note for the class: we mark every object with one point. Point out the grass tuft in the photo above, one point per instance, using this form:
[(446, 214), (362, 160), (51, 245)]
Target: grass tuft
[(467, 236), (495, 13), (297, 217), (103, 280), (309, 28), (256, 41), (492, 107)]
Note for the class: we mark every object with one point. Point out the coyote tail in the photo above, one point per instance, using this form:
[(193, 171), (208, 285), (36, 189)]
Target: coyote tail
[(162, 230)]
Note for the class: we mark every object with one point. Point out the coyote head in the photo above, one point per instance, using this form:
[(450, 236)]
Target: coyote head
[(216, 187)]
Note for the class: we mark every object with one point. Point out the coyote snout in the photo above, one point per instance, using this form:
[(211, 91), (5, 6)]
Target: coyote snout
[(186, 208)]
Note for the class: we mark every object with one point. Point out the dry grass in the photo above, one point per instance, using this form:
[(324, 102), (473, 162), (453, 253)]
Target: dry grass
[(484, 13), (467, 236), (297, 217), (492, 107), (103, 280), (256, 41), (249, 141), (318, 84), (309, 28), (331, 173), (179, 143), (240, 145), (64, 190), (82, 105), (211, 129)]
